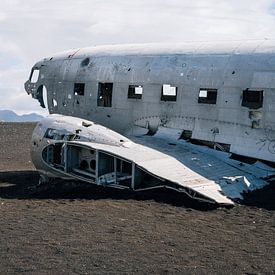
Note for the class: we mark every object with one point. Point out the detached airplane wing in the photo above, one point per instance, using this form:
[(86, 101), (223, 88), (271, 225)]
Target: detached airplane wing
[(73, 148)]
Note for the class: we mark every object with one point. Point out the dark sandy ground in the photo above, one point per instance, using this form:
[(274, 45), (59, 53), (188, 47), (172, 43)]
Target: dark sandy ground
[(69, 229)]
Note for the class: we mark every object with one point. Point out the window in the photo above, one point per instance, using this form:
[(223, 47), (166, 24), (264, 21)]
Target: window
[(169, 93), (208, 96), (59, 135), (252, 99), (42, 96), (79, 88), (34, 75), (135, 91), (105, 91)]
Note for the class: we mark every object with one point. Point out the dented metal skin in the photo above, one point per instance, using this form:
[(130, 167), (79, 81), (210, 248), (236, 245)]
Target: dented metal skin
[(72, 148), (66, 129), (229, 68), (219, 94)]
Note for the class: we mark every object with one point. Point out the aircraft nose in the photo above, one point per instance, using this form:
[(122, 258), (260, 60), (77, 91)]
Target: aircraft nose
[(29, 87), (30, 84)]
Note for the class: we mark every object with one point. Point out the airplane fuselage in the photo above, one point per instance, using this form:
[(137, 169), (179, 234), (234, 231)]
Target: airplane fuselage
[(221, 94)]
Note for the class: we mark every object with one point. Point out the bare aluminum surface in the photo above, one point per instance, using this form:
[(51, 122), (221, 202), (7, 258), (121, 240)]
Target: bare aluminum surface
[(229, 67), (211, 174)]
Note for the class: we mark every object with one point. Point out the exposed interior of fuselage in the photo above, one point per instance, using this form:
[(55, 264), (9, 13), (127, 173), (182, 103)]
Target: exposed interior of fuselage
[(80, 150)]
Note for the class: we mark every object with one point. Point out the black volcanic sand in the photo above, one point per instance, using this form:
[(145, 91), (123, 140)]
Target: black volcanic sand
[(69, 228)]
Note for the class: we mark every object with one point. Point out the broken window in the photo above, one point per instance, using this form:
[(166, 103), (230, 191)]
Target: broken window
[(79, 88), (105, 91), (34, 75), (45, 97), (53, 134), (169, 93), (60, 135), (252, 99), (42, 96), (135, 91), (208, 96)]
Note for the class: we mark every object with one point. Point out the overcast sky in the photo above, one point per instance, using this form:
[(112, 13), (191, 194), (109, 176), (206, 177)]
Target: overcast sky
[(33, 29)]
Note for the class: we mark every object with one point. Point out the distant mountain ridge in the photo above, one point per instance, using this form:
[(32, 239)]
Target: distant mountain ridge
[(10, 116)]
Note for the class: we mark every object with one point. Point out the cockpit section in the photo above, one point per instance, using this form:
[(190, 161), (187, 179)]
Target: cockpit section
[(35, 85), (31, 83)]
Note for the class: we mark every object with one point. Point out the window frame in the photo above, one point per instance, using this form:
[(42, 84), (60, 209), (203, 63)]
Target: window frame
[(167, 97), (100, 93), (34, 76), (250, 103), (132, 91), (211, 100), (79, 88)]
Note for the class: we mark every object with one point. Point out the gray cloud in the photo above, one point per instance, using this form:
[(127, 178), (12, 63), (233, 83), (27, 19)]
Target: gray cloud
[(33, 29)]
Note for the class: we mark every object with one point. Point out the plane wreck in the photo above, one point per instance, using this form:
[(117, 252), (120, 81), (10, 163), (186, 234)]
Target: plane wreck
[(73, 148), (152, 98)]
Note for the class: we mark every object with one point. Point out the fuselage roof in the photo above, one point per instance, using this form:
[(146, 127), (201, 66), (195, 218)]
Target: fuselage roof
[(247, 47)]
